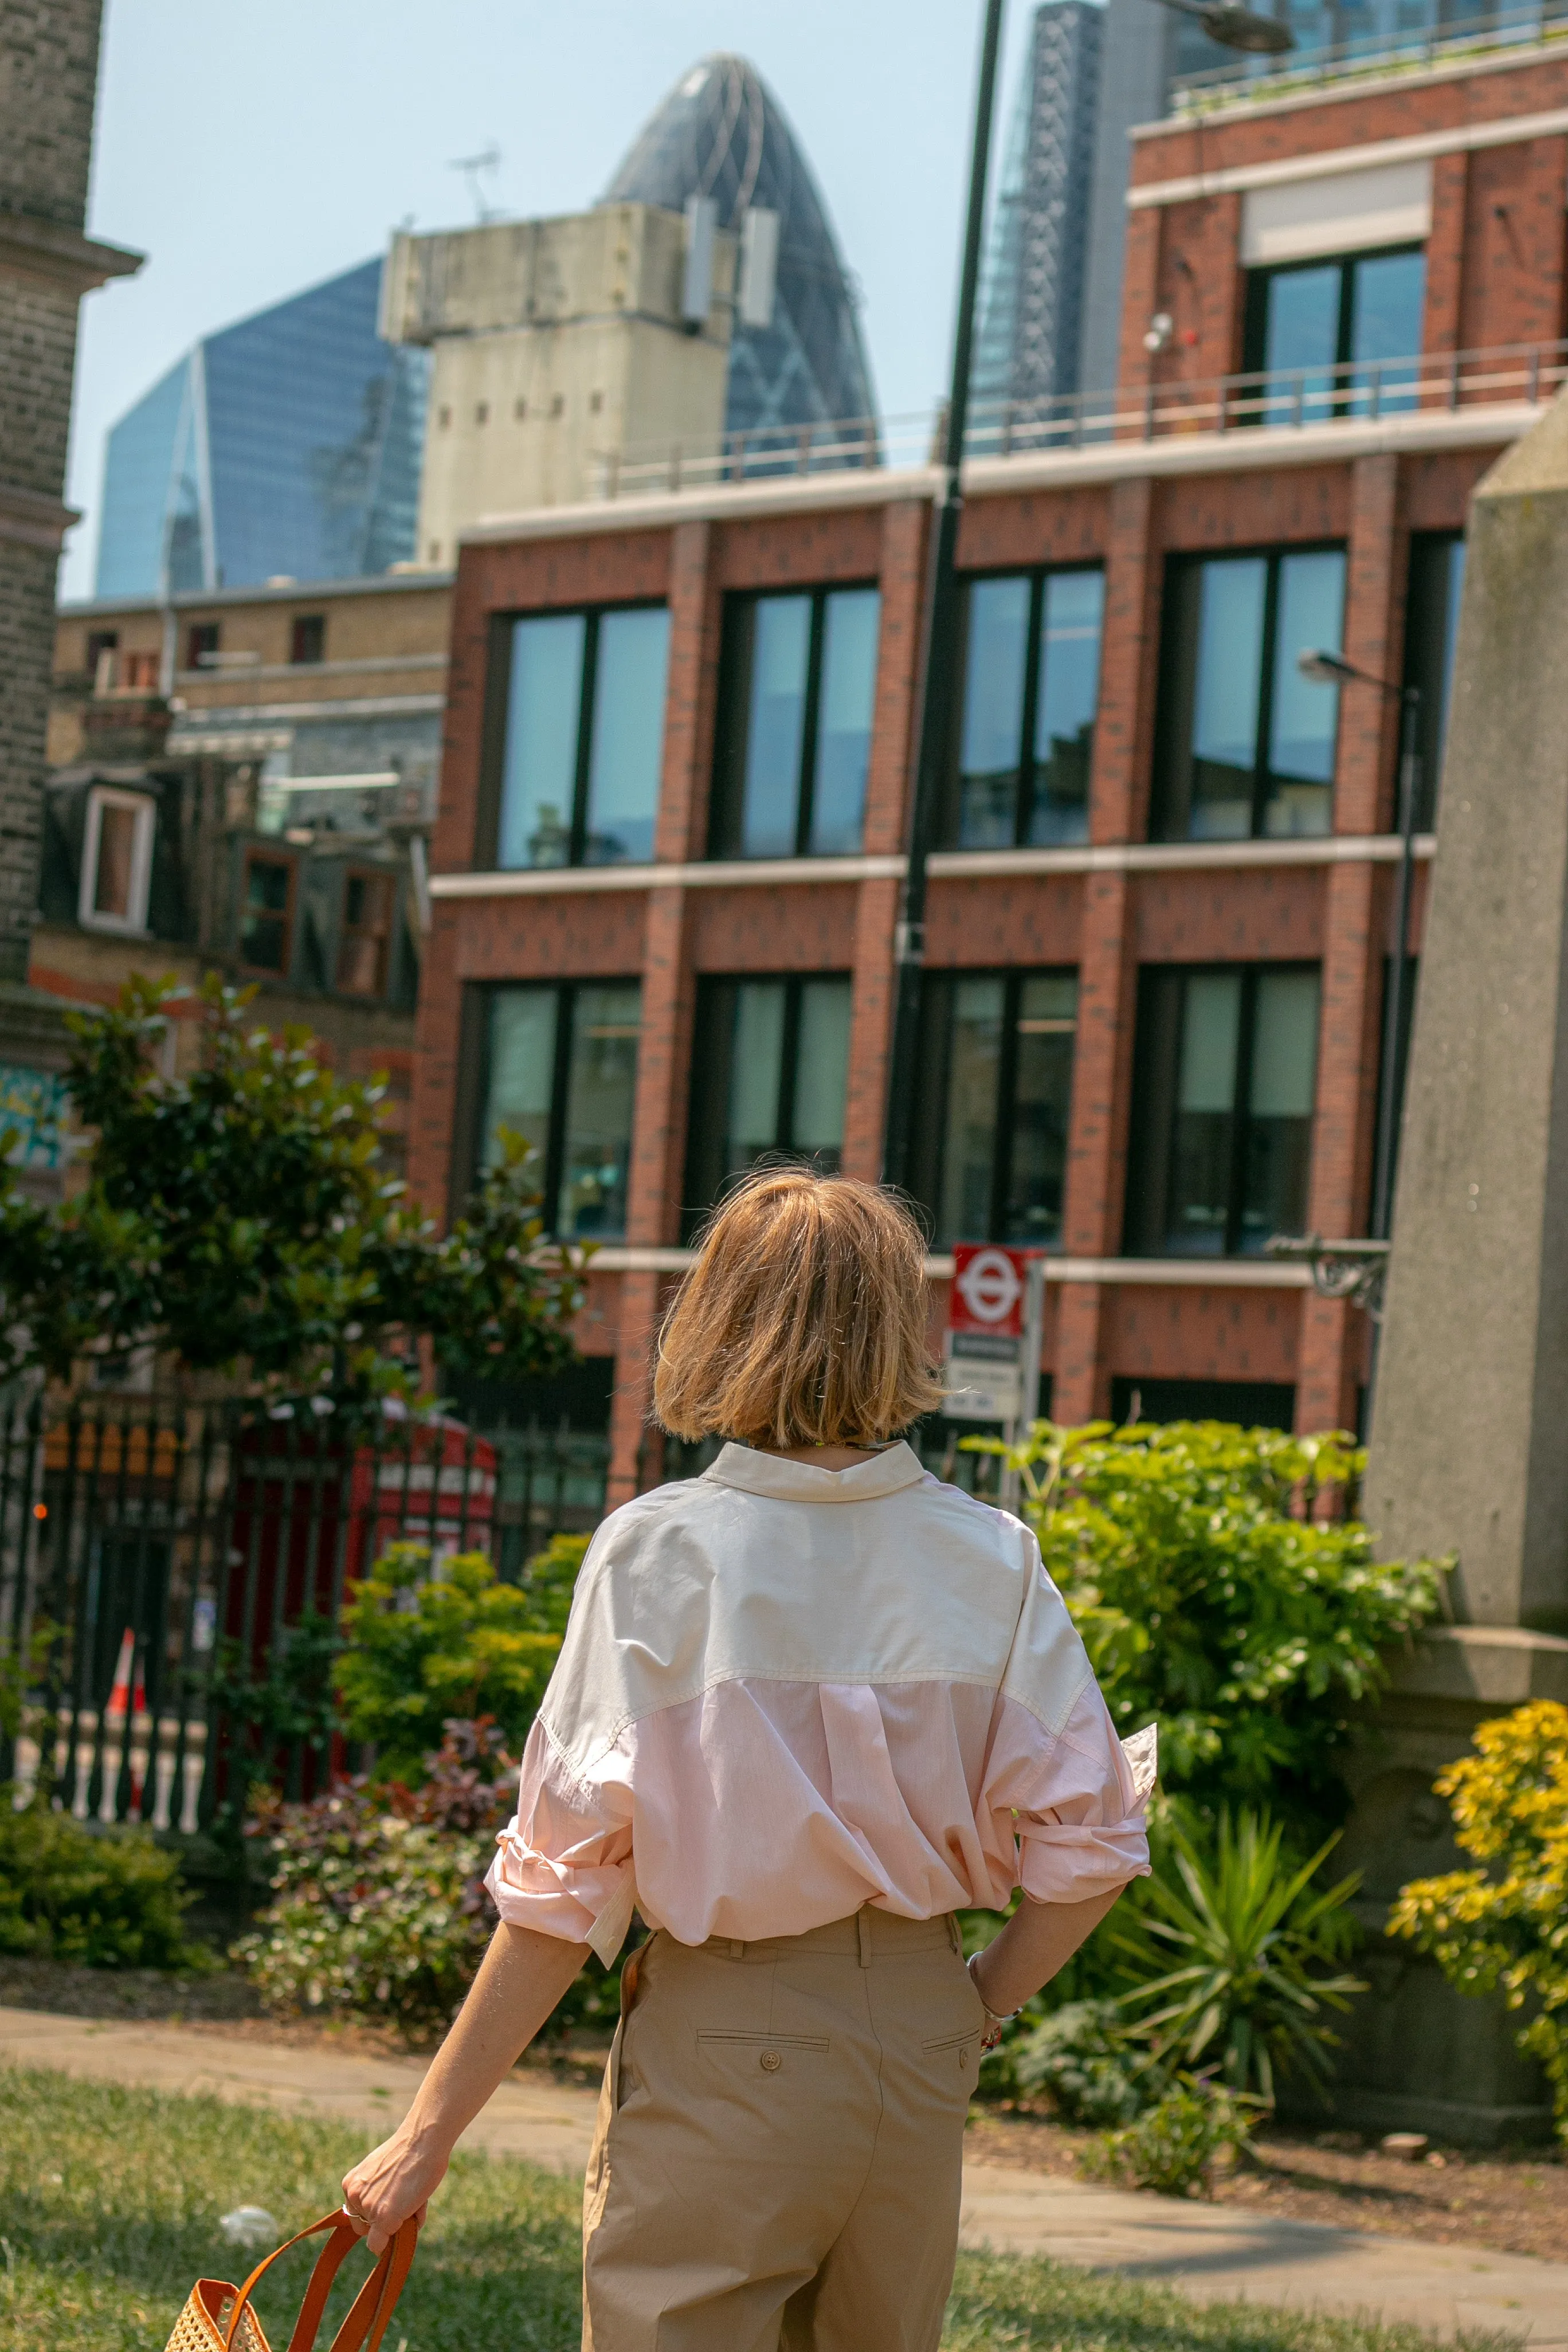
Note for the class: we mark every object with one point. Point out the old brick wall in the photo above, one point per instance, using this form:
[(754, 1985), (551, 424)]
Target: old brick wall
[(48, 76)]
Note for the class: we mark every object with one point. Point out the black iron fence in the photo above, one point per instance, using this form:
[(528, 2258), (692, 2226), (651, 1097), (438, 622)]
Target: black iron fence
[(158, 1562)]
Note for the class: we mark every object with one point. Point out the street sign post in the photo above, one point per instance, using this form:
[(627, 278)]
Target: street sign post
[(995, 1332)]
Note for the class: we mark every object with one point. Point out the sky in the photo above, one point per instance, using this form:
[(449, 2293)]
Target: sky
[(250, 151)]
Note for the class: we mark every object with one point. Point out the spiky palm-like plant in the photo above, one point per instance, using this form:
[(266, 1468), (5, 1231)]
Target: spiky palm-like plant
[(1259, 1955)]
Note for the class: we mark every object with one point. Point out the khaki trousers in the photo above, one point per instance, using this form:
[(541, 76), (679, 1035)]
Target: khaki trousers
[(776, 2165)]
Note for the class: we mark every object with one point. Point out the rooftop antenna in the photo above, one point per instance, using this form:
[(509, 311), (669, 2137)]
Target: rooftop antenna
[(473, 167)]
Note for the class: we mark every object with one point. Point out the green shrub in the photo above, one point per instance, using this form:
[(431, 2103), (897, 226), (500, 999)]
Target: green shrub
[(1507, 1925), (1174, 2147), (379, 1907), (1081, 2054), (422, 1646), (1211, 1604), (108, 1898), (1258, 1950)]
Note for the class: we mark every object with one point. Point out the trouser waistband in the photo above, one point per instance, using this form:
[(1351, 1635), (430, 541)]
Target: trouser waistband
[(869, 1934)]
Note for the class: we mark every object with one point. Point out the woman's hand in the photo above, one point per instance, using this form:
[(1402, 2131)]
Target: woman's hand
[(393, 2181)]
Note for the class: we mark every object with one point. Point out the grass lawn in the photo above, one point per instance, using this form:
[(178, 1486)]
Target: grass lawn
[(109, 2202)]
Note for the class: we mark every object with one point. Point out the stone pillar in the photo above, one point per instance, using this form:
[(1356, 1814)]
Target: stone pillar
[(48, 82), (1469, 1451)]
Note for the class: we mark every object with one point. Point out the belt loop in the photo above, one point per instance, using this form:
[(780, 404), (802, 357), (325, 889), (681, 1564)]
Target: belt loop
[(863, 1927), (737, 1949), (955, 1934)]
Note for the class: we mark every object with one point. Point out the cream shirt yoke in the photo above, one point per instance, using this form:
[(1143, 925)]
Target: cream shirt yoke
[(785, 1692)]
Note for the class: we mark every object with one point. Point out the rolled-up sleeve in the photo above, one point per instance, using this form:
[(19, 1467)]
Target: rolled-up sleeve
[(564, 1862), (1077, 1795)]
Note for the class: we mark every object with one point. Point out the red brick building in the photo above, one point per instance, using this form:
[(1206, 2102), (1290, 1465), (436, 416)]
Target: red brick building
[(674, 796)]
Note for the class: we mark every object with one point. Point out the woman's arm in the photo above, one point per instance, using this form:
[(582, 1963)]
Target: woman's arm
[(1038, 1940), (521, 1978)]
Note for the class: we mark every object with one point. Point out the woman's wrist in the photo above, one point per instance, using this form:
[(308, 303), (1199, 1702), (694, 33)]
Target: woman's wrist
[(1000, 2015)]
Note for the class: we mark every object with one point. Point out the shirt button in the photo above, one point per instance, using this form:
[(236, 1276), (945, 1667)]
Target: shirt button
[(771, 2062)]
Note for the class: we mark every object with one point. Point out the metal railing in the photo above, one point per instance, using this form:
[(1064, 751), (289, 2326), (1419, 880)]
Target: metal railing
[(170, 1578), (1278, 399), (1365, 54)]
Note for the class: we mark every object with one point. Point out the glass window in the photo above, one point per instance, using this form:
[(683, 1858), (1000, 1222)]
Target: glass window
[(996, 1088), (1223, 1095), (1330, 328), (1024, 736), (601, 1088), (521, 1058), (308, 638), (266, 913), (1246, 745), (628, 736), (559, 1070), (849, 631), (770, 1074), (202, 639), (1431, 634), (795, 707), (585, 736)]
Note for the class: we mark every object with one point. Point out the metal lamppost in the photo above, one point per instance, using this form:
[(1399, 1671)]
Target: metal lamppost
[(1332, 669), (1357, 1269), (1234, 28)]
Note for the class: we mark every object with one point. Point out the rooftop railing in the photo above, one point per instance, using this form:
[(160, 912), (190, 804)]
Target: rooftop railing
[(1279, 399), (1365, 55)]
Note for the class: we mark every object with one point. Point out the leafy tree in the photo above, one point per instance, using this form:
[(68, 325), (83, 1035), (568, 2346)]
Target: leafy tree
[(423, 1648), (1213, 1604), (1507, 1924), (241, 1218)]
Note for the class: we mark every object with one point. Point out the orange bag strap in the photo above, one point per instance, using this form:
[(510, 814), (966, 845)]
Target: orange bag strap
[(372, 2296), (373, 2306)]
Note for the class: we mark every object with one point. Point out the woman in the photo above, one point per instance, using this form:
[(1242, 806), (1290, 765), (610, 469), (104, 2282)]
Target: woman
[(808, 1706)]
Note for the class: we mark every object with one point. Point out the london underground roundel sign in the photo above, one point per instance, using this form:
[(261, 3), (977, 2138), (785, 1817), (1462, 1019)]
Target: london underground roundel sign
[(987, 1292)]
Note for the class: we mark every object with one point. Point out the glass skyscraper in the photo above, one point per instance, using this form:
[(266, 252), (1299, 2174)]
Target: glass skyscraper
[(287, 444), (722, 133), (1031, 319)]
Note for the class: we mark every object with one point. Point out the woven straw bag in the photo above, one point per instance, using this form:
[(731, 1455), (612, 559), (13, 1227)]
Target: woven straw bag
[(218, 2317)]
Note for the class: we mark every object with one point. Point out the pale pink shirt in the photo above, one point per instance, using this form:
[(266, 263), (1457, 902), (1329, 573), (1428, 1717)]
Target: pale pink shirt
[(785, 1692)]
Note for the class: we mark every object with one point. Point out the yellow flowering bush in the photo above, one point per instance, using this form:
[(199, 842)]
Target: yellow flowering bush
[(1507, 1924)]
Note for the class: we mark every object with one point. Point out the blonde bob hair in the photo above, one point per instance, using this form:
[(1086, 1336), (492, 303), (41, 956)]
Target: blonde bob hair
[(802, 1321)]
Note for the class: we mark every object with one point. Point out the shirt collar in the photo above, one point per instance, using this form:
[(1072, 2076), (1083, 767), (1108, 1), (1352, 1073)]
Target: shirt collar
[(803, 1482)]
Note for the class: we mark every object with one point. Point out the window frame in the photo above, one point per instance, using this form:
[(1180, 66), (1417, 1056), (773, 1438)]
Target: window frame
[(492, 790), (708, 1090), (1036, 574), (132, 924), (1255, 312), (474, 1089), (1138, 1218), (1175, 695), (731, 726), (935, 1068), (256, 856), (348, 932)]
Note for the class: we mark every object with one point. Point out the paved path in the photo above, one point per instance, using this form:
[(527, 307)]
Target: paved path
[(1209, 2250)]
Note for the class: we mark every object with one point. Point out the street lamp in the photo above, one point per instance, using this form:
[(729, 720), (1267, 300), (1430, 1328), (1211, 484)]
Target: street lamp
[(1357, 1270), (1332, 669), (1235, 27)]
